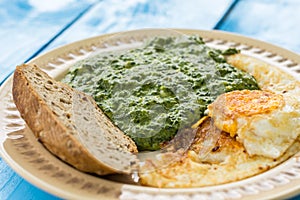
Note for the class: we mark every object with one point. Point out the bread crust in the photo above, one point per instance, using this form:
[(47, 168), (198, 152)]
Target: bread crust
[(49, 129)]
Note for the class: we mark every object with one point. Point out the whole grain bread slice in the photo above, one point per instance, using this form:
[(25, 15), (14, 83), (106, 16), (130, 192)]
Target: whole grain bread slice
[(70, 124)]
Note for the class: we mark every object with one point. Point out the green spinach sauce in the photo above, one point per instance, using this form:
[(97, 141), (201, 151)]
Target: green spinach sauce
[(152, 92)]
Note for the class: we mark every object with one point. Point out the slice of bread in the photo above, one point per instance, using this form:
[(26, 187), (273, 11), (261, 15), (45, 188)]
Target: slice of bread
[(70, 124)]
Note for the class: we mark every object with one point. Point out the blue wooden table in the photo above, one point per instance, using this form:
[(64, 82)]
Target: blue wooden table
[(31, 27)]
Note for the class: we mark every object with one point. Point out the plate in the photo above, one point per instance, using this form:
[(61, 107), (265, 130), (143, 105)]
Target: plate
[(20, 149)]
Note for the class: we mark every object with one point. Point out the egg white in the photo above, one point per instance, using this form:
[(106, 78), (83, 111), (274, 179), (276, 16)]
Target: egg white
[(268, 133)]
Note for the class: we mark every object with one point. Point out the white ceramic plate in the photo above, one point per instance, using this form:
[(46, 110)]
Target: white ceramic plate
[(32, 161)]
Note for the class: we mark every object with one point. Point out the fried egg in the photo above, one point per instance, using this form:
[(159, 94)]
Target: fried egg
[(226, 162), (264, 122)]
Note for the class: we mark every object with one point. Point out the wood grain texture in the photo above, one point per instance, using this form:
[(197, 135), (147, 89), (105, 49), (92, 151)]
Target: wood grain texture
[(26, 27), (270, 21)]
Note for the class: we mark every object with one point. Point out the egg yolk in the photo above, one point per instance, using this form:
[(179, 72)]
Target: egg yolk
[(242, 103)]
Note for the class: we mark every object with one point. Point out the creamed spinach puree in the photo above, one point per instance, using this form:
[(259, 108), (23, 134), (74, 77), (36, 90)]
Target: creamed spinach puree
[(152, 92)]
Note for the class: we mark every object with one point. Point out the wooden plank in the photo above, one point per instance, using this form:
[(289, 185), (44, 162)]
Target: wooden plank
[(113, 16), (26, 26), (276, 22)]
